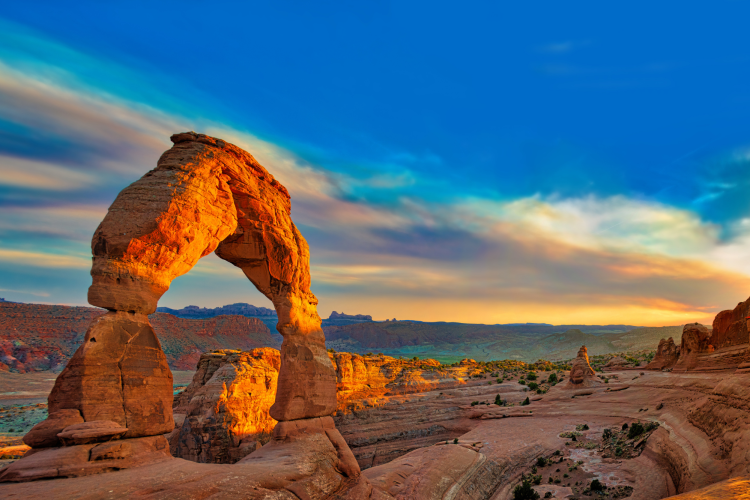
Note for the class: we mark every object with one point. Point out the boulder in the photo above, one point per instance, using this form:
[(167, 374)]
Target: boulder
[(44, 434), (94, 431)]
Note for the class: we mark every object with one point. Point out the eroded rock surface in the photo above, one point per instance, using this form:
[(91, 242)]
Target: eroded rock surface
[(730, 327), (581, 373), (224, 414), (666, 355)]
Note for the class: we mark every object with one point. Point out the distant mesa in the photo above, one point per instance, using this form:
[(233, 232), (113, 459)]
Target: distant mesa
[(238, 309), (342, 315)]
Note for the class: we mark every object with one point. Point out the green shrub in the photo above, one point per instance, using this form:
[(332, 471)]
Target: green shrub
[(498, 400), (625, 426), (635, 430), (531, 376), (552, 378), (526, 402), (541, 462), (596, 485), (607, 434), (582, 427), (570, 434), (524, 491), (455, 441), (533, 386)]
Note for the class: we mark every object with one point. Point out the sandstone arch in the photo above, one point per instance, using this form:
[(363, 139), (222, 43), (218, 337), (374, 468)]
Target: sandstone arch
[(204, 195)]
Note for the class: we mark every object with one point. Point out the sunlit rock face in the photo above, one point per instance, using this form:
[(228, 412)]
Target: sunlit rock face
[(581, 373), (223, 414), (204, 195), (666, 355), (730, 327)]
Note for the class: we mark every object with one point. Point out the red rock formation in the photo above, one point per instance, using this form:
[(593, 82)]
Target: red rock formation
[(617, 363), (204, 195), (581, 373), (695, 340), (223, 415), (666, 355), (362, 377), (38, 337), (224, 412), (730, 327)]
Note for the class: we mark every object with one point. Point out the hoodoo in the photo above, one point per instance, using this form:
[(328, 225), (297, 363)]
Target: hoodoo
[(666, 355), (581, 373), (205, 195)]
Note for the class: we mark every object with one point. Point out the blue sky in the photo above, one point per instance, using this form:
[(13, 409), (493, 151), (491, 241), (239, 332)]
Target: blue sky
[(489, 163)]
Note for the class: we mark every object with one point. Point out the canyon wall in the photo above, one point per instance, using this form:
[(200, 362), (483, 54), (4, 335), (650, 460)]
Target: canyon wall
[(38, 337)]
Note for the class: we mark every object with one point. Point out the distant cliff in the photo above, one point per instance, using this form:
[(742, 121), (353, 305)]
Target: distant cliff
[(239, 309), (336, 315), (36, 337)]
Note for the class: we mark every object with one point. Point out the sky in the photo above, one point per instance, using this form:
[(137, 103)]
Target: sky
[(579, 163)]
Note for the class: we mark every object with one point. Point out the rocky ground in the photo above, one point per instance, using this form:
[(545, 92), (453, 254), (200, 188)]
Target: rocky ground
[(691, 430)]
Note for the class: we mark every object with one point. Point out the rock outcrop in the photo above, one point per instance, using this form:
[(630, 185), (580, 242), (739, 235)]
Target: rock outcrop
[(666, 355), (204, 195), (223, 415), (581, 373), (697, 350), (730, 327), (617, 363), (40, 337)]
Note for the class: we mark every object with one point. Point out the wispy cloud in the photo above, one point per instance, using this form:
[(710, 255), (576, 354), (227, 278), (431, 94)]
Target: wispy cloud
[(533, 258), (44, 259), (25, 292)]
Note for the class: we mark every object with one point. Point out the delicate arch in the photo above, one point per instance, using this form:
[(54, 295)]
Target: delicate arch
[(204, 195)]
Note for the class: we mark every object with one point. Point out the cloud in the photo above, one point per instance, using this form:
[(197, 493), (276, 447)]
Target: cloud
[(23, 172), (44, 259), (555, 259), (25, 292)]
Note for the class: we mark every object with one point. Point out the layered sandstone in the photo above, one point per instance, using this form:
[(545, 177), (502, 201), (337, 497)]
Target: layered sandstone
[(698, 353), (730, 327), (666, 355), (223, 415), (581, 373)]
